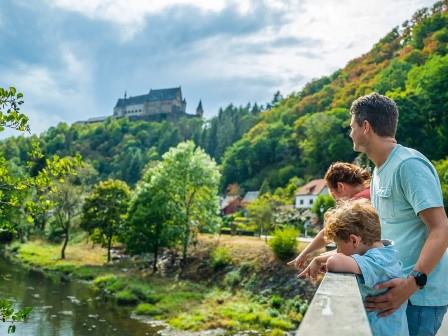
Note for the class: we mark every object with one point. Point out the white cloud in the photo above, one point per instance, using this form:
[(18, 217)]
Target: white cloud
[(54, 93), (131, 14)]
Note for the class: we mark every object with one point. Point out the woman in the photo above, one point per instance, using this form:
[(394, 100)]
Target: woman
[(344, 181)]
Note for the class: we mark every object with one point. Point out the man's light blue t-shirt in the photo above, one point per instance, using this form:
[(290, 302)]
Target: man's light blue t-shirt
[(401, 188), (378, 265)]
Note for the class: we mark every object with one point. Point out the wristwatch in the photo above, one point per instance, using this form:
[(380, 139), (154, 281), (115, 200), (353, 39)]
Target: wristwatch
[(420, 278)]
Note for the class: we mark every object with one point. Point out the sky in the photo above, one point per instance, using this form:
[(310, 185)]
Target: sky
[(73, 59)]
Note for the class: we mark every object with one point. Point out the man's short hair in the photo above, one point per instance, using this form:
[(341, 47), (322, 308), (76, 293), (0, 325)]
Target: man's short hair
[(381, 113), (353, 217)]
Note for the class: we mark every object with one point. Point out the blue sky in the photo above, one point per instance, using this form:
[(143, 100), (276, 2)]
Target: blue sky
[(73, 59)]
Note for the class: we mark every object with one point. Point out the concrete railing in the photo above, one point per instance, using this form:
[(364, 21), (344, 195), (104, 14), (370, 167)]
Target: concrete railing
[(336, 309)]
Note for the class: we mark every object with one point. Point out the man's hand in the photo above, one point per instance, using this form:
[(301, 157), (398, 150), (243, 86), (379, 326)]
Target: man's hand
[(316, 267), (399, 292), (299, 261)]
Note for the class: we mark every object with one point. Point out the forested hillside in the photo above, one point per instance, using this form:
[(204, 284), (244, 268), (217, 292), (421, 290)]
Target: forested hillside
[(298, 136), (309, 129), (119, 148)]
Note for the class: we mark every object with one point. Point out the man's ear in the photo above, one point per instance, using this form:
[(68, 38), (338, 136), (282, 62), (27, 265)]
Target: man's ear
[(366, 126)]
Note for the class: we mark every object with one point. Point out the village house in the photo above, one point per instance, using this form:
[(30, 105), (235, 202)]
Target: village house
[(230, 205), (307, 194)]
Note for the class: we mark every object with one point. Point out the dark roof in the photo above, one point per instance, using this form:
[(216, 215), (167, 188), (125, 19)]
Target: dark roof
[(153, 95)]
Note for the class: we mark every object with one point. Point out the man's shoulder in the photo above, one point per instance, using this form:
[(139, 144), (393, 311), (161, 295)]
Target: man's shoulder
[(408, 160)]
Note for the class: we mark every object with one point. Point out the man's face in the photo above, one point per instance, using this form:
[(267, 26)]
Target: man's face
[(357, 135)]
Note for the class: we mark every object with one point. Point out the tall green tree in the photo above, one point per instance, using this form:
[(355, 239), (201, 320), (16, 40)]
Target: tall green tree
[(149, 226), (189, 180), (105, 210)]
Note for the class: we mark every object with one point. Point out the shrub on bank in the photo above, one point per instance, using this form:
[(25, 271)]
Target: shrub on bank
[(220, 258), (148, 309), (126, 297), (284, 242)]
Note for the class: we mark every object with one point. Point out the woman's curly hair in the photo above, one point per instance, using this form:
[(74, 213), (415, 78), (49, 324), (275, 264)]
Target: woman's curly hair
[(346, 173)]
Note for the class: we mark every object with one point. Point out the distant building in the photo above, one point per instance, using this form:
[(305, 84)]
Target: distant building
[(308, 193), (200, 110), (250, 197), (160, 103), (230, 204)]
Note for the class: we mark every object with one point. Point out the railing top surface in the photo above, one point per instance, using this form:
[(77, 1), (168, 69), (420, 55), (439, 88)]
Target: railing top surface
[(336, 309)]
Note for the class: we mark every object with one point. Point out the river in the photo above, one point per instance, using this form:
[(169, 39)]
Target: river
[(63, 308)]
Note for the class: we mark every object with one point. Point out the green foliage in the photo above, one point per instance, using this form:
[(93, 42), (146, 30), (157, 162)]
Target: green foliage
[(149, 226), (276, 301), (442, 169), (10, 115), (147, 309), (126, 297), (233, 279), (261, 212), (393, 77), (284, 242), (321, 204), (11, 316), (105, 210), (323, 139), (220, 258), (187, 180)]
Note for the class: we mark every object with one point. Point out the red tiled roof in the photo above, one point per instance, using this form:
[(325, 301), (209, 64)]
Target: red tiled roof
[(313, 187)]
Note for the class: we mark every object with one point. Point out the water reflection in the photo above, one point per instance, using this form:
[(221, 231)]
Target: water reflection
[(63, 308)]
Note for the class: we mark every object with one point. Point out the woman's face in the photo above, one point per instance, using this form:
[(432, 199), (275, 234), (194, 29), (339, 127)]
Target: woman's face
[(342, 191)]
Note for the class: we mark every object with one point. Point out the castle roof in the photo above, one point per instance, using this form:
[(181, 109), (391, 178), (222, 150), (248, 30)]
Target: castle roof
[(153, 95)]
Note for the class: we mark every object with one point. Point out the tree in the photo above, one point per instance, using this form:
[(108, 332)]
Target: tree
[(321, 204), (105, 210), (67, 203), (262, 211), (442, 169), (149, 226), (188, 179), (10, 116)]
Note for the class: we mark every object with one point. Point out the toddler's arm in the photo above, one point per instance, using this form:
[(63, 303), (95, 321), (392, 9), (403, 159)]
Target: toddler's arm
[(342, 263), (316, 244)]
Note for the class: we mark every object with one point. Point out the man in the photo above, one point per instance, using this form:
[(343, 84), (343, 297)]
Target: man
[(406, 192)]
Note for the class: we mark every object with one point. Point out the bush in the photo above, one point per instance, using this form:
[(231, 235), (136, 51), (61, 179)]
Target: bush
[(148, 309), (126, 297), (232, 279), (284, 242), (220, 258), (276, 301)]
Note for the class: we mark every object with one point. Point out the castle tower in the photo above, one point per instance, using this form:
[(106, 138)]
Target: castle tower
[(200, 110)]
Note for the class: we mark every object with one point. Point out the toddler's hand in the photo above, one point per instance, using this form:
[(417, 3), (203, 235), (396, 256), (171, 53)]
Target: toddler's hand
[(299, 261)]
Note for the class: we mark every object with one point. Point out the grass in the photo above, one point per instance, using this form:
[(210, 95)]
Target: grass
[(48, 256)]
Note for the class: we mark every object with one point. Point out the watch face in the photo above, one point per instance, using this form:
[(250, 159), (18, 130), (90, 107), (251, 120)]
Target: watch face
[(420, 279)]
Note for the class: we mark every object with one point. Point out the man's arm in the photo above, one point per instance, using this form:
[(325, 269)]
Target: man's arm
[(342, 263), (437, 241), (435, 246)]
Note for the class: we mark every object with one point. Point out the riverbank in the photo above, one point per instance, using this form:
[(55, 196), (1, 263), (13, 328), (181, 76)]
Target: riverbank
[(230, 283)]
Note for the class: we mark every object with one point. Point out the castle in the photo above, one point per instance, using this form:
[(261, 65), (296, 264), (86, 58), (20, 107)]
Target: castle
[(156, 105)]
